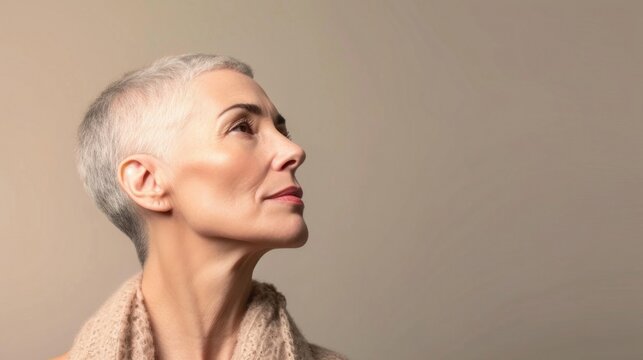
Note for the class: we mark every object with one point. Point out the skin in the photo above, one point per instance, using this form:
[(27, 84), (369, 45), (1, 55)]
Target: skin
[(208, 217)]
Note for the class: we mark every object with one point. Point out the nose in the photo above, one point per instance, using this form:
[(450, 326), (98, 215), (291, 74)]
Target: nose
[(289, 154)]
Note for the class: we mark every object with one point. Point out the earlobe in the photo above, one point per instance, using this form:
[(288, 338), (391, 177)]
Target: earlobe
[(141, 179)]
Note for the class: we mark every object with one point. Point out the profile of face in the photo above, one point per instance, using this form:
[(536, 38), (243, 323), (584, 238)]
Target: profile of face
[(230, 157)]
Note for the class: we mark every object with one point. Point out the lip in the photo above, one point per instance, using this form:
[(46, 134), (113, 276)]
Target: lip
[(291, 193), (292, 199)]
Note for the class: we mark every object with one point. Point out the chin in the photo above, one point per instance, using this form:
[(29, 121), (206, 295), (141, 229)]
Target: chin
[(299, 239), (292, 239)]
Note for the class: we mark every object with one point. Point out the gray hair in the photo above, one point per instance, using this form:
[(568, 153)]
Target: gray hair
[(141, 113)]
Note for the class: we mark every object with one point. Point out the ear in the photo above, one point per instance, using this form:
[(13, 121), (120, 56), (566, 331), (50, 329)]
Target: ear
[(141, 177)]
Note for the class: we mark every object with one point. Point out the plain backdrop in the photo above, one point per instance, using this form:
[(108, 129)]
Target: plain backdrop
[(472, 186)]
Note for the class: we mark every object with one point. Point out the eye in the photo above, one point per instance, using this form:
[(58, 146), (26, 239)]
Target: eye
[(245, 125)]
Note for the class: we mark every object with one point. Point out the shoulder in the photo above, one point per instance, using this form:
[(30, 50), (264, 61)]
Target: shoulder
[(322, 353), (64, 356)]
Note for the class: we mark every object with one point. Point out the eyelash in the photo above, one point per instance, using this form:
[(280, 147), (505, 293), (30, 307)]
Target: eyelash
[(250, 122)]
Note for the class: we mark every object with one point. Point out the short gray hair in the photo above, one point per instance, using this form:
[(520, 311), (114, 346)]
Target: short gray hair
[(141, 113)]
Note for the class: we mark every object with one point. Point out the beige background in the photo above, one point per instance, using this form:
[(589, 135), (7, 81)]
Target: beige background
[(473, 180)]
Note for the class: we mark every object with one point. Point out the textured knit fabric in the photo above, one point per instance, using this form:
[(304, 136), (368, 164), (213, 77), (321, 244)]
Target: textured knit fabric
[(121, 330)]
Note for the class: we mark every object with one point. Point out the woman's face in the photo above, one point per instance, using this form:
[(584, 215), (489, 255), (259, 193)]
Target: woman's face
[(228, 162)]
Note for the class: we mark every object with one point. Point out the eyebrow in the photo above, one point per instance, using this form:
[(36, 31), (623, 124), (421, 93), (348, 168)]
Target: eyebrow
[(254, 109)]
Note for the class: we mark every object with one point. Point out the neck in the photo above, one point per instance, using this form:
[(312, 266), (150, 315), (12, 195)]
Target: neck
[(196, 292)]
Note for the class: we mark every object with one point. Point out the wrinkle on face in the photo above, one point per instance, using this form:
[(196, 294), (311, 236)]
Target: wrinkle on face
[(220, 177)]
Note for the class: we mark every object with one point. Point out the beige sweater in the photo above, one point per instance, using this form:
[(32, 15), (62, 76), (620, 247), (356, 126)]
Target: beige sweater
[(120, 329)]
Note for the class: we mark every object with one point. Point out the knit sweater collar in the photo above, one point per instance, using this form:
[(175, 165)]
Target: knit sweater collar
[(120, 329)]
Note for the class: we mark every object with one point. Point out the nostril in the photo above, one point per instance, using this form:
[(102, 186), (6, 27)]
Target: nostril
[(290, 163)]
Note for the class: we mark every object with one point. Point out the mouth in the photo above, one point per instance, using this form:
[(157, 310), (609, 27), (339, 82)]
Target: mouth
[(290, 190), (288, 199), (290, 194)]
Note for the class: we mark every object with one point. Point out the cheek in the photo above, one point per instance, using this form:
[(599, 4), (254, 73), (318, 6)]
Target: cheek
[(216, 194)]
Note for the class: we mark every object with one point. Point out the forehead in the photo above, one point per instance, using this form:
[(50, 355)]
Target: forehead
[(222, 88)]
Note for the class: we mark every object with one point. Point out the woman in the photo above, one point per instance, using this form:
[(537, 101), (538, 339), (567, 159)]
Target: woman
[(190, 159)]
